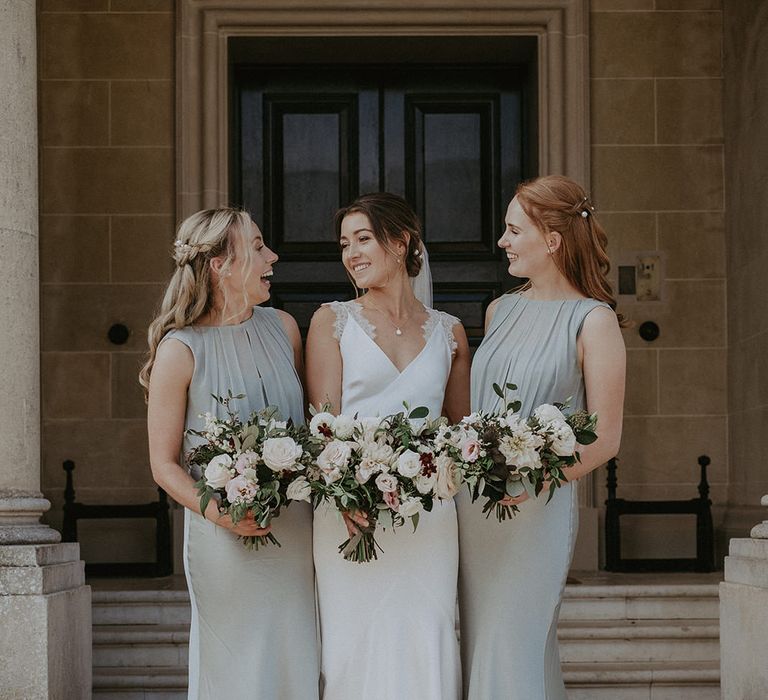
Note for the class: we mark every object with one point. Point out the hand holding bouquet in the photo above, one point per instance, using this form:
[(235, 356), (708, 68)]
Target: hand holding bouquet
[(254, 467), (506, 454), (384, 467)]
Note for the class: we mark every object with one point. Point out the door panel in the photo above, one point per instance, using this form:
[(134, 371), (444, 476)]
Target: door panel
[(449, 139)]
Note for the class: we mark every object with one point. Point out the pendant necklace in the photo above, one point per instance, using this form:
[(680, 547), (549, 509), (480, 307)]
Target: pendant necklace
[(398, 330)]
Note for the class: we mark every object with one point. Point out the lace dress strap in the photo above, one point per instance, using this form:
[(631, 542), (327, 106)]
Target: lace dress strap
[(435, 318), (343, 310)]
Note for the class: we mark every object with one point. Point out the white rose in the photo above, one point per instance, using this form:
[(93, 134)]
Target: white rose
[(218, 472), (344, 427), (369, 427), (424, 484), (409, 464), (410, 506), (380, 452), (299, 490), (366, 469), (563, 439), (334, 459), (387, 483), (321, 424), (281, 454), (448, 477), (519, 452), (547, 413)]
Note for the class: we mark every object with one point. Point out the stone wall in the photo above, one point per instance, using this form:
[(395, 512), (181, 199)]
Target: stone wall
[(107, 218), (657, 179), (107, 192)]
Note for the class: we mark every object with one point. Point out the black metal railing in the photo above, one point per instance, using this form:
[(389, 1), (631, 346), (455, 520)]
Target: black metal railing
[(700, 507), (156, 510)]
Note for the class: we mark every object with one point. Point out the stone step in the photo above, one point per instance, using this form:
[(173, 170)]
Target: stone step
[(692, 680), (141, 608), (140, 646), (118, 678), (633, 641), (606, 681), (641, 602), (580, 602)]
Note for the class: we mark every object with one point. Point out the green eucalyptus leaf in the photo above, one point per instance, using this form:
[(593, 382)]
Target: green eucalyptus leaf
[(419, 412), (498, 390)]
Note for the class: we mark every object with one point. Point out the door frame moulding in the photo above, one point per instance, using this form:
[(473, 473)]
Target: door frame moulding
[(204, 26)]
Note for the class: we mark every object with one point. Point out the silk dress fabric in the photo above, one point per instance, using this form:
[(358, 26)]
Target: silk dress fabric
[(253, 632), (388, 627), (512, 574)]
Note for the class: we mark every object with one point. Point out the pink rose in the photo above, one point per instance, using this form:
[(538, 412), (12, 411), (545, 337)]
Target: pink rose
[(241, 489), (470, 450), (392, 500)]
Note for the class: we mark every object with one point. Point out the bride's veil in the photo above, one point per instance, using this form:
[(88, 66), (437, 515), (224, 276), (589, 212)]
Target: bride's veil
[(422, 283)]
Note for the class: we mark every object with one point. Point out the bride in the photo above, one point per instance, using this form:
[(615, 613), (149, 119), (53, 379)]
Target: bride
[(388, 627)]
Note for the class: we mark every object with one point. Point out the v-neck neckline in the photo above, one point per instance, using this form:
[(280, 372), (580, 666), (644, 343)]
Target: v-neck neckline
[(399, 371)]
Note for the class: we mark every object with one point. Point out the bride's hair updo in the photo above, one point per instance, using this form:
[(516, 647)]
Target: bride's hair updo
[(392, 220), (557, 203), (202, 236)]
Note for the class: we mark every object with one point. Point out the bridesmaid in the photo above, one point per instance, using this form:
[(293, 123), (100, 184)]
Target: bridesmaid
[(556, 337), (253, 632)]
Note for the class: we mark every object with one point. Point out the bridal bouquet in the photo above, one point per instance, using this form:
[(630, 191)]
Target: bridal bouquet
[(506, 454), (384, 467), (255, 466)]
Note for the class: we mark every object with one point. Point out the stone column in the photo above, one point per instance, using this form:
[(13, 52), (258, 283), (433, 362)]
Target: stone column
[(45, 636), (744, 616)]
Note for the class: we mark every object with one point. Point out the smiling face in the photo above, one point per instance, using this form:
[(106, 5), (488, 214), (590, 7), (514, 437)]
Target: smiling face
[(368, 262), (250, 271), (528, 250)]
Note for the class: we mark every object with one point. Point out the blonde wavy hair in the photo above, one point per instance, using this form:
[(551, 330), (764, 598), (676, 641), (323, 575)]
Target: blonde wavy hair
[(205, 235)]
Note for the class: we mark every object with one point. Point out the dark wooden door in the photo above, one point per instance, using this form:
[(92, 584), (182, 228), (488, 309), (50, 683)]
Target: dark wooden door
[(450, 139)]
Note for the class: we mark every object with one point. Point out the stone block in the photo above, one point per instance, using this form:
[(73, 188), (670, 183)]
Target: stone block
[(142, 113), (40, 580), (691, 315), (45, 638), (658, 178), (142, 5), (642, 382), (694, 243), (693, 381), (656, 44), (660, 450), (107, 180), (743, 621), (74, 249), (622, 111), (74, 113), (105, 46), (78, 317), (75, 385), (141, 248), (627, 231), (689, 110), (127, 395)]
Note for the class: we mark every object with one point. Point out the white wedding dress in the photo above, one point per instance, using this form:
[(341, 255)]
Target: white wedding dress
[(388, 627)]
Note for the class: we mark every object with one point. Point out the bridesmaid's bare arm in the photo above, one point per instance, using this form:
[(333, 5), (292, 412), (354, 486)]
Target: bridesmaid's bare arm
[(490, 311), (166, 413), (456, 401), (323, 361), (604, 364)]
